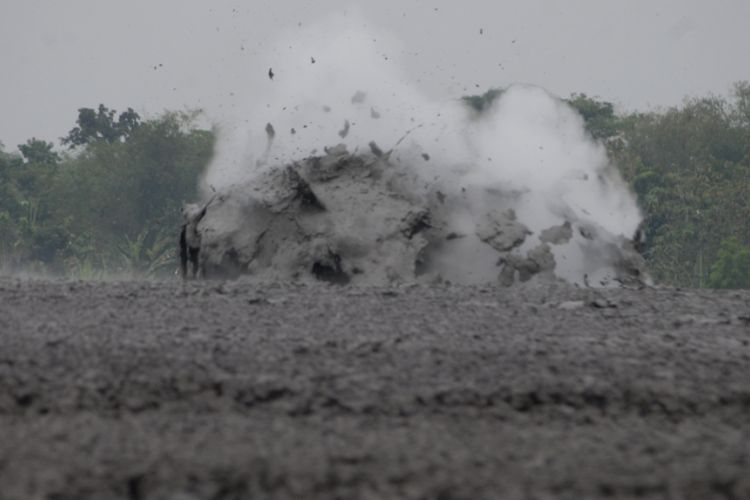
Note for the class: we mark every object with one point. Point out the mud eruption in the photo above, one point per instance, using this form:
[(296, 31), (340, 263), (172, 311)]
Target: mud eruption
[(343, 173), (368, 219)]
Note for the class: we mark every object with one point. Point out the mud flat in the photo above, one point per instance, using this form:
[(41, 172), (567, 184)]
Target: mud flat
[(225, 390)]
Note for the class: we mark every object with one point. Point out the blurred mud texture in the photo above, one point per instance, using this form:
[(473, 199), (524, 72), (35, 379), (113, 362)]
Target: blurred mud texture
[(211, 390)]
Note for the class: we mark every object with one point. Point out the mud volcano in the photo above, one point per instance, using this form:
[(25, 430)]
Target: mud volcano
[(363, 218)]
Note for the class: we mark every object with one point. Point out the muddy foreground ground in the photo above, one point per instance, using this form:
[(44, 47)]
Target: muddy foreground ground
[(227, 391)]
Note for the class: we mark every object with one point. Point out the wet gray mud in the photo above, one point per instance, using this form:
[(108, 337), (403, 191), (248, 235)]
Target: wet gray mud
[(213, 390)]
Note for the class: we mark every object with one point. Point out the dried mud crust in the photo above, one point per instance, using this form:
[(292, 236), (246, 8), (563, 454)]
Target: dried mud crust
[(232, 390)]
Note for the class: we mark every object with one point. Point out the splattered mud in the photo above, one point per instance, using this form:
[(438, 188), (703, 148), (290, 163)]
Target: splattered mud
[(209, 390)]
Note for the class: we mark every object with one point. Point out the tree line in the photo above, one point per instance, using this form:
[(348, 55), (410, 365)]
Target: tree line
[(110, 202)]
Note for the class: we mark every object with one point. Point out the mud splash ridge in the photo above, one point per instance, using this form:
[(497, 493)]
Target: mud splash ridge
[(364, 218)]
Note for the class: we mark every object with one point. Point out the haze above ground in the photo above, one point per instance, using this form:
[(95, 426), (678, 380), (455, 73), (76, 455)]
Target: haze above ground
[(178, 54)]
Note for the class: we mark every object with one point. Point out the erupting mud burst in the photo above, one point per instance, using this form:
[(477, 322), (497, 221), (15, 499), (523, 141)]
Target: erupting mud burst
[(409, 189), (366, 219)]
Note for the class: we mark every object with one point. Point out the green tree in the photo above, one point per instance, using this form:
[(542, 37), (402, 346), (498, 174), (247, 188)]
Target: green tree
[(114, 205), (732, 267), (10, 209), (111, 194), (741, 93), (38, 238), (689, 166), (100, 125), (39, 152), (9, 196), (599, 116)]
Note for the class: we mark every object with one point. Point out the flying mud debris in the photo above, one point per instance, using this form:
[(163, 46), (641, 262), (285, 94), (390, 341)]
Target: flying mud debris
[(557, 235), (363, 218), (359, 97), (501, 230), (345, 131)]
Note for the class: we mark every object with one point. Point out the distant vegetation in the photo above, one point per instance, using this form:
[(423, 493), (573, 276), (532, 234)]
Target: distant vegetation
[(110, 203)]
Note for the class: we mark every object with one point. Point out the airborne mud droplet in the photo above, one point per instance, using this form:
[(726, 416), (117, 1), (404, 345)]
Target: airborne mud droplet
[(359, 97), (345, 131), (557, 235)]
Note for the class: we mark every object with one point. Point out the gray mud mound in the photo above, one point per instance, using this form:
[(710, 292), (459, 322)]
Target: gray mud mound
[(364, 219)]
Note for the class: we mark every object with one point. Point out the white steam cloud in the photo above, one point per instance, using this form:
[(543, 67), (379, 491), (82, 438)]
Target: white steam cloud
[(336, 82)]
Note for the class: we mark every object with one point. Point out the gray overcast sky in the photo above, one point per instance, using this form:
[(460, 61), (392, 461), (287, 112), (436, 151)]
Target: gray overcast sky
[(153, 55)]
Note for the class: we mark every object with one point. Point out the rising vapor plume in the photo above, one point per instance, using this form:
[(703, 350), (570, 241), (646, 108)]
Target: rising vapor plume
[(385, 185)]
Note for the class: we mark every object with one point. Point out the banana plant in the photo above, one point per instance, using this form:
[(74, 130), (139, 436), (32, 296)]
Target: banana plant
[(147, 255)]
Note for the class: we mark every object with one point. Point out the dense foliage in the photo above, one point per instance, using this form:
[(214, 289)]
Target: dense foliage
[(111, 203), (690, 167)]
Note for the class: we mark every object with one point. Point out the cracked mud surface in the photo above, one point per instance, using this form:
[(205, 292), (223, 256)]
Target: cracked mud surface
[(228, 390)]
